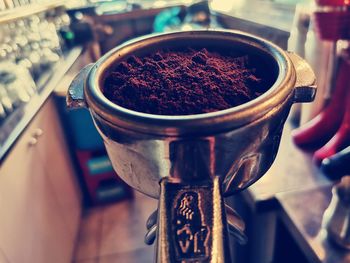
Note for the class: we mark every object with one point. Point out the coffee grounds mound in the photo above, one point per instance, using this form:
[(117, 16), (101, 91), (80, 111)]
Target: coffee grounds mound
[(183, 82)]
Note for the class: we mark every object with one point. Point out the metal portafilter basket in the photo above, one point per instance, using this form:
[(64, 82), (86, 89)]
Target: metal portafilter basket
[(191, 162)]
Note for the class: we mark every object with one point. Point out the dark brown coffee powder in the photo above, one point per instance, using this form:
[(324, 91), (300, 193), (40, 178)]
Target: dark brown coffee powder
[(184, 82)]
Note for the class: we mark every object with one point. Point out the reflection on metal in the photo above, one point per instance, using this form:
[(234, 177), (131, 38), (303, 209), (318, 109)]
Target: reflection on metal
[(305, 85), (75, 96)]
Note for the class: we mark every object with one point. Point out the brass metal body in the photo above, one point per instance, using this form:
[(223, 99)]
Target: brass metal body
[(226, 150)]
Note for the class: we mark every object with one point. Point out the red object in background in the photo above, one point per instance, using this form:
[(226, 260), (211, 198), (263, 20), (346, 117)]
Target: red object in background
[(332, 2), (321, 128), (103, 184), (332, 24), (331, 20), (341, 139), (332, 126)]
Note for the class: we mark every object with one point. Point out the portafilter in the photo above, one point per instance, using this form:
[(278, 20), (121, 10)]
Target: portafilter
[(191, 162)]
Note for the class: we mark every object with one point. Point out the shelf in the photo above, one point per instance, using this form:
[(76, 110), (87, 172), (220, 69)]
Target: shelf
[(18, 121), (28, 10)]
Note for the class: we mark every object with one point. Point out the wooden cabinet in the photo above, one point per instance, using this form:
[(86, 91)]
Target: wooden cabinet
[(3, 258), (39, 202), (55, 157)]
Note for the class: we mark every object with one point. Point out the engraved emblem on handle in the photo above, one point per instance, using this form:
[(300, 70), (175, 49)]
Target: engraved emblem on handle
[(190, 231)]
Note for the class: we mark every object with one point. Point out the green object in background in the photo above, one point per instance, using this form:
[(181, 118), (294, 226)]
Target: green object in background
[(99, 165), (111, 192), (167, 18), (69, 35)]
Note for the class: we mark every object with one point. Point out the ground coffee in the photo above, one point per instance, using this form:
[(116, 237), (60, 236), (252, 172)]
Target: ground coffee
[(184, 82)]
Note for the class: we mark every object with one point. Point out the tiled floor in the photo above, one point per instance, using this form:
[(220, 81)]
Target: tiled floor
[(115, 233)]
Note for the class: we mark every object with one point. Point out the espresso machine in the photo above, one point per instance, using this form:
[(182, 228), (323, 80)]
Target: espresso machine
[(190, 163)]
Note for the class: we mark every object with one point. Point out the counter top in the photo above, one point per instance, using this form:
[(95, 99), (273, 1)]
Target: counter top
[(302, 213), (19, 120), (268, 13), (267, 19)]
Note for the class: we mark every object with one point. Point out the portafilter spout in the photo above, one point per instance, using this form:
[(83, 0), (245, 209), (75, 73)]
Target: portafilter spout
[(191, 162)]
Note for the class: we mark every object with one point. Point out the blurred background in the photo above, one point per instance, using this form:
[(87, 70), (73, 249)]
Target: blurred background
[(61, 201)]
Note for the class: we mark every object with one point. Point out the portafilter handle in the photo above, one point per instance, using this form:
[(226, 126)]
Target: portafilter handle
[(192, 225), (235, 223)]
